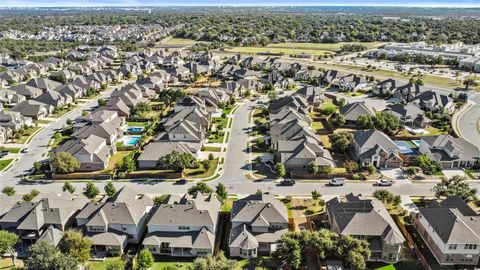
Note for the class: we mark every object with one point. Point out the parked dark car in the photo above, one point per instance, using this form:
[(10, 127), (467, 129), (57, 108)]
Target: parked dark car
[(181, 182), (287, 182)]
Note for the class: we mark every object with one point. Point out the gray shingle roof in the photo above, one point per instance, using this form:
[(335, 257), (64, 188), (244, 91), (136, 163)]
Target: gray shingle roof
[(364, 217)]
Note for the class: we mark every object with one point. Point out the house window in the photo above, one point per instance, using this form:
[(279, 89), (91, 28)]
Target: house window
[(184, 228), (470, 246), (449, 258), (452, 247)]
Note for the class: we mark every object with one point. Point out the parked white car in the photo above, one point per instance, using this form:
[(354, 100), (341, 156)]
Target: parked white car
[(384, 183), (337, 182)]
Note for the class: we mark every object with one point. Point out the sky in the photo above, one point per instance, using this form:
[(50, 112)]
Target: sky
[(84, 3)]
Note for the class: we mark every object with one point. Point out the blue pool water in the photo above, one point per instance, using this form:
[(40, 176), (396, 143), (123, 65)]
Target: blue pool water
[(135, 129), (405, 148), (132, 140)]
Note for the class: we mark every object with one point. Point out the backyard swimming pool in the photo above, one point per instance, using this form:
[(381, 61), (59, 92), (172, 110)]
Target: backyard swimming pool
[(406, 147), (134, 129), (131, 140)]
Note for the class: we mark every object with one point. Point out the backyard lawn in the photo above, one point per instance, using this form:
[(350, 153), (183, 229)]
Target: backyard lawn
[(137, 124), (117, 159), (177, 265)]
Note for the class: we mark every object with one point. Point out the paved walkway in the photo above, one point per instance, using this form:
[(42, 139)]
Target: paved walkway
[(408, 204)]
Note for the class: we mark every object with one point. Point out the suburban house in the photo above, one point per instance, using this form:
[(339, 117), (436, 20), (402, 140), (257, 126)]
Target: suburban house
[(213, 99), (52, 215), (450, 152), (114, 222), (258, 222), (45, 217), (434, 101), (451, 230), (313, 95), (153, 151), (7, 203), (184, 227), (13, 121), (188, 124), (92, 152), (44, 84), (351, 83), (110, 129), (27, 91), (290, 130), (352, 111), (407, 92), (54, 98), (387, 87), (32, 108), (295, 101), (373, 147), (296, 155), (409, 115), (368, 220)]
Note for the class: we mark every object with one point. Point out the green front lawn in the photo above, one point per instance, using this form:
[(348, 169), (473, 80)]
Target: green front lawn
[(4, 163), (62, 111), (228, 109), (219, 122), (200, 172), (12, 150), (27, 135), (211, 149)]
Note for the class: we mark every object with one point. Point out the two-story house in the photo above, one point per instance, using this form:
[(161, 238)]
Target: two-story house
[(114, 222), (184, 227), (451, 230), (450, 152), (258, 222), (368, 220), (92, 152), (373, 147)]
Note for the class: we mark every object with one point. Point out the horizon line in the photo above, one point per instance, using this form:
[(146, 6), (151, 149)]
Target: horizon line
[(253, 5)]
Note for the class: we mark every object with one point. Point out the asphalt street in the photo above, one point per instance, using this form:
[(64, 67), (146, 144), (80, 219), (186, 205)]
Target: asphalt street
[(468, 122), (233, 173)]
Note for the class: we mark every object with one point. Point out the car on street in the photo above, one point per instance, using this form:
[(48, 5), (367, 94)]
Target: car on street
[(337, 182), (384, 183), (26, 149), (3, 153), (181, 181), (287, 182)]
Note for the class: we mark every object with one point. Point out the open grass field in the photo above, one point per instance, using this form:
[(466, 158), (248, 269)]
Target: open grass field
[(330, 47), (286, 51), (427, 79), (179, 41), (316, 49)]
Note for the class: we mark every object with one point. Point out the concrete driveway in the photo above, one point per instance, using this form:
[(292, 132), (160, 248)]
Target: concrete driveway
[(393, 173), (453, 172)]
